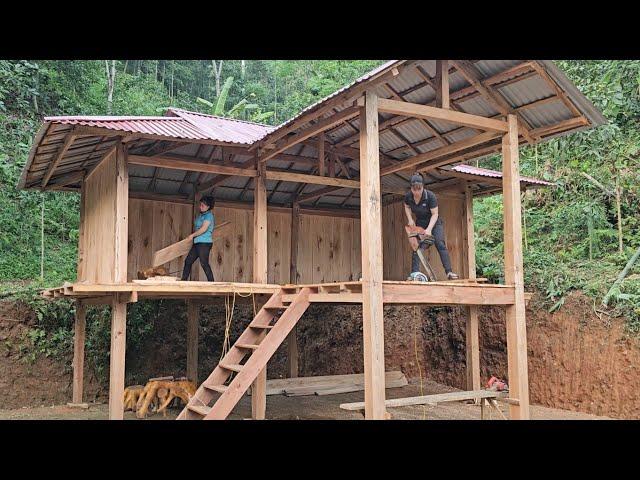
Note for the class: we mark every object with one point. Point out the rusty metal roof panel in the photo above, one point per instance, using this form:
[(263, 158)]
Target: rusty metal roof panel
[(224, 129), (166, 126), (484, 172)]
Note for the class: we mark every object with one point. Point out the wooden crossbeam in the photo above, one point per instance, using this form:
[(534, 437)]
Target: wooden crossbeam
[(429, 399), (438, 153), (173, 163), (312, 131), (423, 111)]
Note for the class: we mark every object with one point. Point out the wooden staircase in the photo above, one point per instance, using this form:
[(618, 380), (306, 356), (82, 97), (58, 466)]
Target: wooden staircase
[(256, 345)]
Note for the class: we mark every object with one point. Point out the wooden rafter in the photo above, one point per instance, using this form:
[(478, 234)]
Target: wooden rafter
[(468, 71), (65, 146), (309, 132)]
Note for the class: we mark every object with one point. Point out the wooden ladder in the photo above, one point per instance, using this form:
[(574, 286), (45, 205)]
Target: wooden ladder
[(258, 342)]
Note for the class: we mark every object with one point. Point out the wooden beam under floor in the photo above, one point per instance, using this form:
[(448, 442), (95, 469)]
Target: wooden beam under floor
[(117, 359), (78, 351), (193, 311)]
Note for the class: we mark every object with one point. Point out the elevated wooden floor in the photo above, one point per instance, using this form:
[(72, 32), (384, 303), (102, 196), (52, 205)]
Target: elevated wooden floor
[(459, 292)]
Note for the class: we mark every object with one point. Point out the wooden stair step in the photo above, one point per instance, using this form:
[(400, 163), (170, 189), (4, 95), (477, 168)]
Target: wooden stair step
[(215, 388), (247, 346), (235, 367), (261, 327), (199, 409)]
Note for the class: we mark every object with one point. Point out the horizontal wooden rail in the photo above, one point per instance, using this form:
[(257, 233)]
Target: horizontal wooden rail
[(423, 111), (177, 164)]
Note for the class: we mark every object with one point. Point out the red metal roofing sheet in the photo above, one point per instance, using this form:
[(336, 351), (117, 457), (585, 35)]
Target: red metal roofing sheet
[(483, 172), (224, 129), (180, 124)]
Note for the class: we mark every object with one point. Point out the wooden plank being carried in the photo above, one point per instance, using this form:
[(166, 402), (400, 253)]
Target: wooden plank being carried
[(430, 399), (180, 248)]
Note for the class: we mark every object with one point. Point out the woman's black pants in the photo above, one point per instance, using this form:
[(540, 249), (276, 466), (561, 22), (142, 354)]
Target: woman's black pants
[(201, 251), (438, 233)]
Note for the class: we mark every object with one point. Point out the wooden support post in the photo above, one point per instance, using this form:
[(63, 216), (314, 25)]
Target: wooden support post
[(513, 274), (442, 82), (292, 339), (192, 341), (119, 309), (116, 362), (78, 351), (472, 337), (321, 154), (332, 165), (121, 214), (260, 275), (371, 241)]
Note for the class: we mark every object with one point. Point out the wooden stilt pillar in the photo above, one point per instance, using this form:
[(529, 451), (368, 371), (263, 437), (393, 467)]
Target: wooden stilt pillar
[(292, 339), (472, 337), (118, 308), (260, 275), (513, 274), (192, 340), (78, 352), (116, 362), (371, 241)]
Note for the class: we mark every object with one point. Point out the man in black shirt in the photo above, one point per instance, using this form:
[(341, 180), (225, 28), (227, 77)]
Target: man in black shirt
[(423, 204)]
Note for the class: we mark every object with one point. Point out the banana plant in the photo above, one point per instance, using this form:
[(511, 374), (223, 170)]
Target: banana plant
[(242, 109)]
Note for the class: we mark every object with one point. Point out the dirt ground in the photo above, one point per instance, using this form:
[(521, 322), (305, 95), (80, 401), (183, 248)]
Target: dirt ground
[(577, 360), (313, 407)]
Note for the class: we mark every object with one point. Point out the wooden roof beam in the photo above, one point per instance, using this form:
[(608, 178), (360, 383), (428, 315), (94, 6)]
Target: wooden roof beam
[(309, 132), (467, 70), (423, 111), (439, 153), (65, 146)]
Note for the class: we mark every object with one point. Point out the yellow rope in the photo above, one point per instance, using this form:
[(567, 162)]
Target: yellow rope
[(415, 348)]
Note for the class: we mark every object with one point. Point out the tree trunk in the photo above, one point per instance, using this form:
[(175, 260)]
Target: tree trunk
[(111, 81), (217, 71)]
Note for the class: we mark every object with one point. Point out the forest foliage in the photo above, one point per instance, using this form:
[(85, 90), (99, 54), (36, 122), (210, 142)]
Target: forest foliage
[(572, 236)]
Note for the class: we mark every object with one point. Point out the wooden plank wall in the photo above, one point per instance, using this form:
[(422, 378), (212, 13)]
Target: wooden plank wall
[(328, 249), (99, 224), (154, 225), (396, 250)]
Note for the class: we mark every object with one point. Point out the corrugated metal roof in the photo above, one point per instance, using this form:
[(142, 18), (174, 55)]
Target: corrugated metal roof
[(178, 123), (483, 172), (224, 129)]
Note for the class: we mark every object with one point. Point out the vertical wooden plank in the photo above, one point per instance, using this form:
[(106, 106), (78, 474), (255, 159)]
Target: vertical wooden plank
[(442, 82), (472, 338), (332, 165), (121, 212), (78, 351), (192, 341), (292, 339), (116, 362), (260, 274), (513, 274), (80, 273), (371, 234), (321, 154)]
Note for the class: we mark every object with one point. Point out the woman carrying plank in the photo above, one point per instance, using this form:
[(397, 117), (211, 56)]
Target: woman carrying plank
[(202, 239)]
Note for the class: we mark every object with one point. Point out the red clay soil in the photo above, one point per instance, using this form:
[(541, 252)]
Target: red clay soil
[(576, 361), (43, 382)]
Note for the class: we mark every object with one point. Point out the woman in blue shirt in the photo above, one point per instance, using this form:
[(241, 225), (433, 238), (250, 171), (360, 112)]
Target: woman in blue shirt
[(202, 239)]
